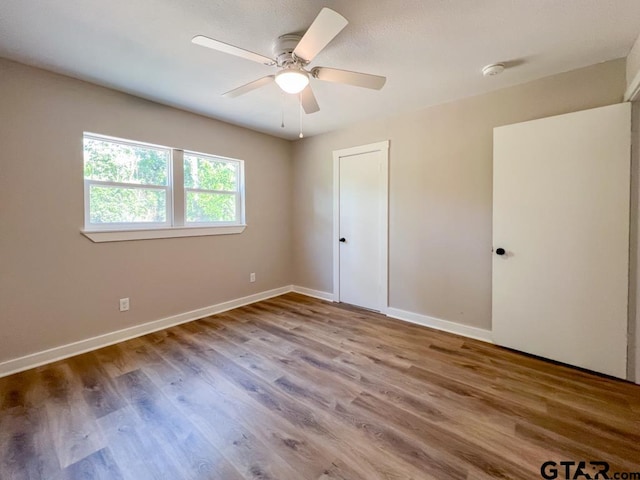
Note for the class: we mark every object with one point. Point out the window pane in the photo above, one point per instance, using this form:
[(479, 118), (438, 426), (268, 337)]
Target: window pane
[(211, 207), (127, 205), (119, 162), (208, 174)]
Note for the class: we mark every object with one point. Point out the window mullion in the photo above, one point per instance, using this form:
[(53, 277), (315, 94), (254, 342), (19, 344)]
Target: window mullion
[(106, 183), (218, 192), (177, 180)]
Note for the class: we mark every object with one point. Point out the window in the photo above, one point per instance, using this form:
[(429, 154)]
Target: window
[(133, 186), (126, 184), (211, 188)]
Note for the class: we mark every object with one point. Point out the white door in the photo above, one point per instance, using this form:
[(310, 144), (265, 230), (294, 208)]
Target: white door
[(361, 233), (561, 214)]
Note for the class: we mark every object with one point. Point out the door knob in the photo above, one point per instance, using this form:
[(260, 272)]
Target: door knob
[(343, 239), (500, 251)]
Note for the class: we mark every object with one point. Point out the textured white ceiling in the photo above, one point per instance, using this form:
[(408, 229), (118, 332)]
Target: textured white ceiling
[(431, 51)]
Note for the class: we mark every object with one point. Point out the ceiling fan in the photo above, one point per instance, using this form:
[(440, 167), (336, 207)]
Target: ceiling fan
[(292, 54)]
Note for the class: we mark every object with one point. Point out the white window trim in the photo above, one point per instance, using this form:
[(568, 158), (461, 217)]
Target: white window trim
[(152, 233), (176, 225)]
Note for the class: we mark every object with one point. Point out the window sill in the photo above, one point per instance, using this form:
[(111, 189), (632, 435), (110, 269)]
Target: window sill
[(99, 236)]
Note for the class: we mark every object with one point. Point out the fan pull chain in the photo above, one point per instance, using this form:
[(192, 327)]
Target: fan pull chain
[(282, 103), (300, 114)]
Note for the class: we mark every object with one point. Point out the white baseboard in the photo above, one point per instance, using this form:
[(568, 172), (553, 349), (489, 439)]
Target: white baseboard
[(419, 319), (65, 351), (313, 293), (58, 353), (438, 324)]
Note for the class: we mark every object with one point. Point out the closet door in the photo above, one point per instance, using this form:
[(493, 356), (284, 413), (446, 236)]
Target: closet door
[(561, 237)]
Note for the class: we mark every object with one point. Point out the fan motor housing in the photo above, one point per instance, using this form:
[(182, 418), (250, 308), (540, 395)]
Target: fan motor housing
[(283, 49)]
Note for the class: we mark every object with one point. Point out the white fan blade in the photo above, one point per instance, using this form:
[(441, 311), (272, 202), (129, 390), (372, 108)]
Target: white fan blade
[(365, 80), (324, 28), (309, 102), (261, 82), (230, 49)]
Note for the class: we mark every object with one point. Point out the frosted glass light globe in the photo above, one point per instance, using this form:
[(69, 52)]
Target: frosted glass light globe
[(292, 80)]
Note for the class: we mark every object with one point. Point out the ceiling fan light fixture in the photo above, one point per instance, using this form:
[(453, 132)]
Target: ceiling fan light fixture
[(292, 80)]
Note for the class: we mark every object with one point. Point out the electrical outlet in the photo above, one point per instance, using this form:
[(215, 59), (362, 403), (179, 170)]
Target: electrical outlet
[(124, 304), (252, 277)]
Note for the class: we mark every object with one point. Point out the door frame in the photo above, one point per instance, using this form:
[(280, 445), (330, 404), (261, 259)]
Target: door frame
[(383, 148)]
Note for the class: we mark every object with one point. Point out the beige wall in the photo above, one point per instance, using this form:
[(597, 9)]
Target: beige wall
[(440, 191), (56, 286)]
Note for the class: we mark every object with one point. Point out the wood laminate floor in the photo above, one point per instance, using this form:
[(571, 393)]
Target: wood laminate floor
[(294, 388)]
